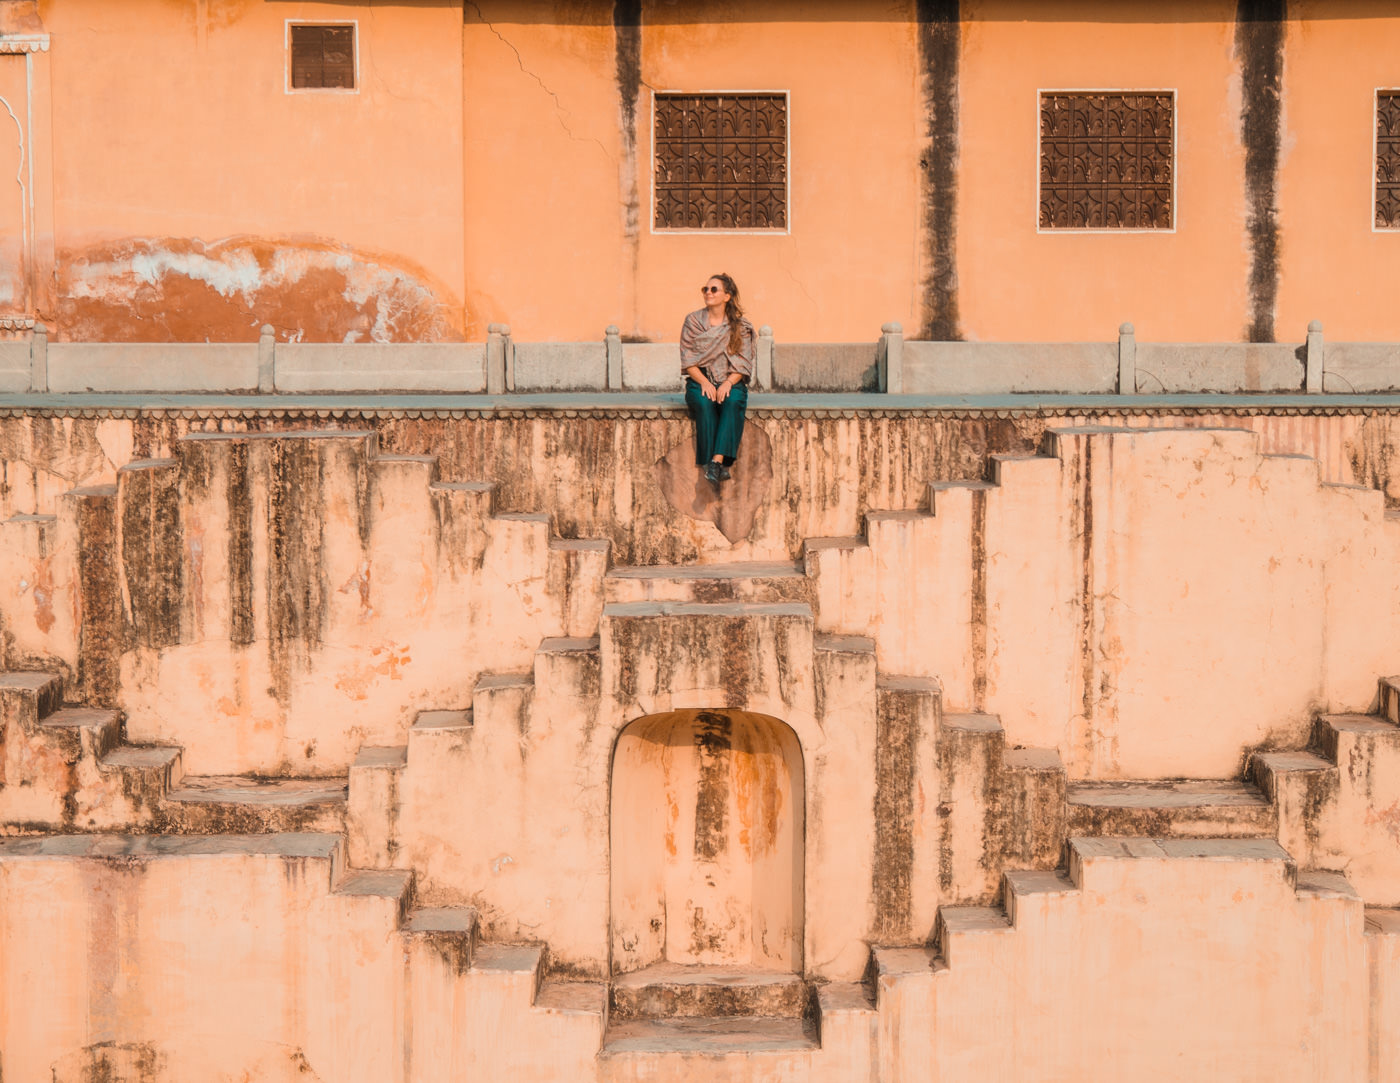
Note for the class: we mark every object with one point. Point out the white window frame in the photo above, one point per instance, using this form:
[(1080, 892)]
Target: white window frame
[(287, 87)]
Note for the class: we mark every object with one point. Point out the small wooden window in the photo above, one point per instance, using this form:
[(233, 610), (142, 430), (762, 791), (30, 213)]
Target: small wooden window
[(1106, 160), (721, 161), (1388, 159), (323, 57)]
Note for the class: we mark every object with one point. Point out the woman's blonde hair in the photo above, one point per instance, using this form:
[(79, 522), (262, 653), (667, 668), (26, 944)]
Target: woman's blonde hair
[(732, 312)]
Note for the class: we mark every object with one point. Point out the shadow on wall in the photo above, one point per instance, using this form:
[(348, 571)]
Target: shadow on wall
[(182, 290)]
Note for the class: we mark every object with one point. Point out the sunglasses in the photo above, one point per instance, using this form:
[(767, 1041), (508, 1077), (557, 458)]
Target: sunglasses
[(711, 289)]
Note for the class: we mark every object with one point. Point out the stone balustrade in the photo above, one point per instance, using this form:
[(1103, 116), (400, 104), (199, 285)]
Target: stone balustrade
[(891, 365)]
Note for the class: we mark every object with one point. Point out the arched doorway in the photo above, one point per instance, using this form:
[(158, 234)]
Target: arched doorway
[(707, 842)]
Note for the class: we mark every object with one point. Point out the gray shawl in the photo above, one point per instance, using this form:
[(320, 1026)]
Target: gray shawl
[(708, 347)]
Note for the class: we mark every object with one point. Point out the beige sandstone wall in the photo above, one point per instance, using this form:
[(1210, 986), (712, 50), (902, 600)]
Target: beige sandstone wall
[(940, 666)]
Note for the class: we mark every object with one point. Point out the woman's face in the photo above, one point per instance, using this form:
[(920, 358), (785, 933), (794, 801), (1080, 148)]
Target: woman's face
[(714, 292)]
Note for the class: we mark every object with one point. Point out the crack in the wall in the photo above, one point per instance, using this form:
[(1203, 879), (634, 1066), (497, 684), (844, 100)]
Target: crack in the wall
[(559, 111)]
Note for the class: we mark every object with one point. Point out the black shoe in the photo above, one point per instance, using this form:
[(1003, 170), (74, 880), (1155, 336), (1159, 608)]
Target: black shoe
[(724, 473), (712, 472)]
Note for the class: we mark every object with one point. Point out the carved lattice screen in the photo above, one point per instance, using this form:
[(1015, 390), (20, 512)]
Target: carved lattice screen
[(1388, 160), (1106, 160), (721, 161)]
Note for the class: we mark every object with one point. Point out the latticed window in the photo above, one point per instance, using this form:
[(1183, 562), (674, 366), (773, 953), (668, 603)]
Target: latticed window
[(721, 161), (323, 57), (1388, 160), (1106, 160)]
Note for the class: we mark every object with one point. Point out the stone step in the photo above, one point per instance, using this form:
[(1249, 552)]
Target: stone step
[(515, 968), (1169, 809), (396, 884), (699, 1036), (155, 768), (843, 996), (386, 891), (434, 725), (237, 804), (452, 932), (93, 731), (1271, 770), (44, 689), (960, 927), (756, 581), (573, 997), (313, 845), (671, 990), (1390, 698), (1337, 736), (652, 610)]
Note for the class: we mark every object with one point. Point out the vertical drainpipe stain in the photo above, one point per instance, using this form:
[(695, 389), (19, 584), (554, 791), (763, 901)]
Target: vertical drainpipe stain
[(1259, 32), (978, 620), (940, 40), (240, 547), (627, 28)]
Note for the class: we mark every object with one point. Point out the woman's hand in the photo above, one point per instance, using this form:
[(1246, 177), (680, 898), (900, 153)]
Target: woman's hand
[(711, 391), (722, 391)]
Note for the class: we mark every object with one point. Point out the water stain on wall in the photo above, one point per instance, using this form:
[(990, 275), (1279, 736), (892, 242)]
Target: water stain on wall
[(940, 47), (1260, 26), (182, 290)]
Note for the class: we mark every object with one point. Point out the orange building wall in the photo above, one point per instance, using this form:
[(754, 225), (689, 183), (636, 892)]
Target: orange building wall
[(1337, 268), (850, 260), (1019, 284), (542, 155), (178, 152), (483, 172)]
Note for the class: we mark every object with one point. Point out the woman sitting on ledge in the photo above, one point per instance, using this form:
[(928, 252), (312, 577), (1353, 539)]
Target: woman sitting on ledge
[(717, 357)]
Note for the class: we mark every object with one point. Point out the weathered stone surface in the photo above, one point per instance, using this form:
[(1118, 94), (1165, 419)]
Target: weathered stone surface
[(733, 505), (670, 991)]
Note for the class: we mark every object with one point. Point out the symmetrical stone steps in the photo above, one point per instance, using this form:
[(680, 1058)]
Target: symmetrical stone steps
[(82, 775)]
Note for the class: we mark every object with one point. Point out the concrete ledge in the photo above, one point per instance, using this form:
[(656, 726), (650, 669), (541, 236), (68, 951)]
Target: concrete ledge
[(429, 366), (637, 404), (143, 366), (14, 365), (953, 368), (294, 844), (1226, 366), (825, 366), (1362, 366), (560, 366), (651, 366)]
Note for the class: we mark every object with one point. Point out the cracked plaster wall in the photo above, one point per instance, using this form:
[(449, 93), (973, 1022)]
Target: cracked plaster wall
[(215, 201)]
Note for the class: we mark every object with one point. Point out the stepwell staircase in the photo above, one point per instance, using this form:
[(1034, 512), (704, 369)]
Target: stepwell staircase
[(1030, 843)]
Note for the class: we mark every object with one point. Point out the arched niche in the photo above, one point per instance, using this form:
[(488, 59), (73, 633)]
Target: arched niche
[(708, 829)]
